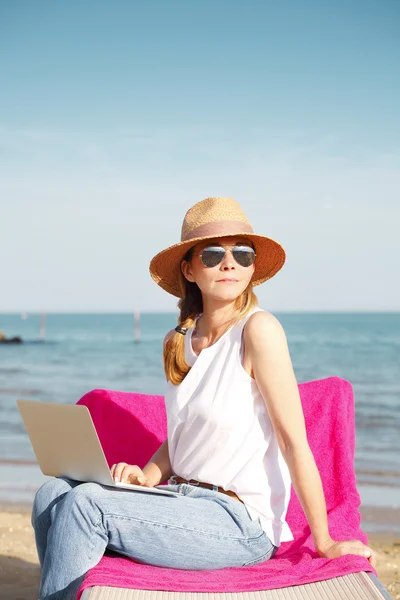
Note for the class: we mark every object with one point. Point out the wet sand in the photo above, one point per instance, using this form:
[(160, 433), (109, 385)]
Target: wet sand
[(20, 573)]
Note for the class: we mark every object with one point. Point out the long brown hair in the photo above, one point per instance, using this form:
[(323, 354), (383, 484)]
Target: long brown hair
[(190, 306)]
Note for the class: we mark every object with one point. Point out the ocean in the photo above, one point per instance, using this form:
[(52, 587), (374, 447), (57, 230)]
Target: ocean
[(81, 352)]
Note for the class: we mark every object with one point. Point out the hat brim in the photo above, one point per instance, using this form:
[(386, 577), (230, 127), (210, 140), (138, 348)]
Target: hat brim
[(165, 266)]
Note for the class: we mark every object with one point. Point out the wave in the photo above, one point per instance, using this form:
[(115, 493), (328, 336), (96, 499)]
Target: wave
[(20, 391), (12, 370)]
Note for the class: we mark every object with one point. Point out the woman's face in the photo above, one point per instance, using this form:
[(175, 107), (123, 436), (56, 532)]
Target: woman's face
[(214, 281)]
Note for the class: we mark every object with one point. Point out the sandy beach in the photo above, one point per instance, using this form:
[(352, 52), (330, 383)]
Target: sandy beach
[(19, 567)]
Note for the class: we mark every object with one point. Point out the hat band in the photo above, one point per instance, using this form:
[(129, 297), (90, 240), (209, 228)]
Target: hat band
[(219, 228)]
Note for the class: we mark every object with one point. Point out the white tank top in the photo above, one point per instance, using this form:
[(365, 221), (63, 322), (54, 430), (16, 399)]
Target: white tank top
[(219, 432)]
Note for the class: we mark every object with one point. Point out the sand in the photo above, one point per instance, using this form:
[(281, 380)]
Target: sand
[(20, 573)]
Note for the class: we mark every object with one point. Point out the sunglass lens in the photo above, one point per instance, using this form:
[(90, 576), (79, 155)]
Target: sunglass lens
[(211, 257), (245, 256)]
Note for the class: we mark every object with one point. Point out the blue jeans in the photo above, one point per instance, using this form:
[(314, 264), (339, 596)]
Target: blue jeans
[(75, 523)]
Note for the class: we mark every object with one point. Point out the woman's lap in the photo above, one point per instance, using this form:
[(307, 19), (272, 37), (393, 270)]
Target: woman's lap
[(200, 529)]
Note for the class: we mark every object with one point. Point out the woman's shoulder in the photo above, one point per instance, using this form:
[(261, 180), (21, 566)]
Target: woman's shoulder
[(263, 321)]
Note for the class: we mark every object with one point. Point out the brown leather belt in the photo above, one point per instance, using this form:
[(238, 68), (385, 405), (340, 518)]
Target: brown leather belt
[(210, 486)]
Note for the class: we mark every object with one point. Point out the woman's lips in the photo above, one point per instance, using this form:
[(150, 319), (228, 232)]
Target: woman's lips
[(227, 281)]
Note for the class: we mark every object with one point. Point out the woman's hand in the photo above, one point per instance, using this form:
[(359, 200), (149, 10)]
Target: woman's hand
[(334, 549), (129, 474)]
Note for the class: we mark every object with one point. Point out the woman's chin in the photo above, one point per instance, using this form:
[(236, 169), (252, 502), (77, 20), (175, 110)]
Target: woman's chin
[(226, 295)]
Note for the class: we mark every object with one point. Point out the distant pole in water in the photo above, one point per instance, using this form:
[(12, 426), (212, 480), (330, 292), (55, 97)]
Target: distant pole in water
[(137, 325), (43, 327)]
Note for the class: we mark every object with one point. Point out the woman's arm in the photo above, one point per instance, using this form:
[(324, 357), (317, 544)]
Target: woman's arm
[(158, 469), (267, 349)]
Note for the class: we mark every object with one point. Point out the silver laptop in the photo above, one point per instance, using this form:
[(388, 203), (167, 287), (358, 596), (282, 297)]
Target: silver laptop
[(66, 444)]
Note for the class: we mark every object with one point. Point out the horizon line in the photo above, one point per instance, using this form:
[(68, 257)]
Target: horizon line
[(170, 312)]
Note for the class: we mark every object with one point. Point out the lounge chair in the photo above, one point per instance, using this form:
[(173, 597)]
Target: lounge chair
[(132, 426)]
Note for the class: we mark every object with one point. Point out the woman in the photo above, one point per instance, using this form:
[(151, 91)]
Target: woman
[(236, 433)]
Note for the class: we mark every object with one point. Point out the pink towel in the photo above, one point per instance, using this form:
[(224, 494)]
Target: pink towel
[(328, 406)]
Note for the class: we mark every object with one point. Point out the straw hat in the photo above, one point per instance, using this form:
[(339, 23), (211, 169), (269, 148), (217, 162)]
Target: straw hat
[(208, 219)]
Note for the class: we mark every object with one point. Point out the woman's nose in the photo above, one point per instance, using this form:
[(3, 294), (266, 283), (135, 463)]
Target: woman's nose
[(228, 261)]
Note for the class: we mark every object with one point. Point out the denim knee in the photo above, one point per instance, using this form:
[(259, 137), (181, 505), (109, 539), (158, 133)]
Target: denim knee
[(49, 491), (83, 497)]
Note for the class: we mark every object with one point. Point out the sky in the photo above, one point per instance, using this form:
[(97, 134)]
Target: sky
[(117, 117)]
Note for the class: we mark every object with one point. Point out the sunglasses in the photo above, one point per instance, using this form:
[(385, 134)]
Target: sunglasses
[(211, 256)]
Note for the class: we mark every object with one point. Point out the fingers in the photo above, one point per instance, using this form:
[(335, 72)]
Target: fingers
[(127, 473), (132, 474), (362, 550), (113, 471), (116, 470), (370, 554), (372, 558), (355, 547)]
